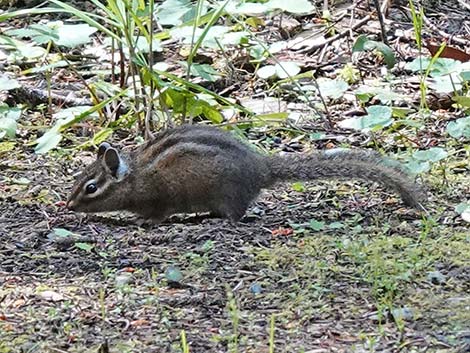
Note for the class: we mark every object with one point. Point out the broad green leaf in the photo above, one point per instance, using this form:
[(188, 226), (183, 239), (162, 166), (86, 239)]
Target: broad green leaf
[(316, 225), (459, 128), (48, 141), (399, 112), (267, 72), (10, 112), (73, 35), (30, 51), (161, 66), (363, 43), (259, 53), (205, 71), (84, 246), (7, 127), (173, 274), (61, 232), (19, 49), (465, 75), (39, 33), (233, 38), (336, 225), (462, 207), (212, 114), (142, 45), (7, 83), (441, 66), (464, 101), (185, 33), (387, 96), (287, 69), (171, 12), (446, 84), (297, 6), (417, 167), (332, 88), (434, 154), (246, 8), (378, 117)]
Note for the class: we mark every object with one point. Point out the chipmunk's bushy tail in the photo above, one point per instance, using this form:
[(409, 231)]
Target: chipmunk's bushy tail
[(347, 164)]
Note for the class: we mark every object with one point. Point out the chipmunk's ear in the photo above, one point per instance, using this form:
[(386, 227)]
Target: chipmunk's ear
[(112, 160), (114, 163), (102, 149)]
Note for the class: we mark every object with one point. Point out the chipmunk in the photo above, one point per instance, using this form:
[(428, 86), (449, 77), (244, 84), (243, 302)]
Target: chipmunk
[(195, 168)]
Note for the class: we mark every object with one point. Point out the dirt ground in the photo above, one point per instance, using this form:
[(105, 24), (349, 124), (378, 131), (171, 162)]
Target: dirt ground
[(327, 267), (106, 286)]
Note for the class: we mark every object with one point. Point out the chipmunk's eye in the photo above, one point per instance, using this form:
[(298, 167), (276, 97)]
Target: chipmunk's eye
[(91, 188)]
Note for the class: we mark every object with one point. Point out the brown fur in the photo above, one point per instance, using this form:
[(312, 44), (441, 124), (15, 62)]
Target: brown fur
[(197, 168)]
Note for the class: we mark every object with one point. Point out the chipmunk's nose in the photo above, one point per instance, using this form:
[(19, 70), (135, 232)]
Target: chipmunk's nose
[(70, 205)]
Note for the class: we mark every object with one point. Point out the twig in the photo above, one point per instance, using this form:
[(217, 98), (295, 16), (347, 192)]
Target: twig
[(380, 16), (444, 34), (336, 37)]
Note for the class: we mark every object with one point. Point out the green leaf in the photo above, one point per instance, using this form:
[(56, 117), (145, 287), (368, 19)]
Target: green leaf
[(6, 146), (336, 225), (297, 6), (84, 246), (299, 187), (39, 33), (48, 141), (465, 75), (74, 35), (445, 84), (363, 44), (212, 114), (286, 69), (417, 167), (462, 207), (7, 127), (185, 33), (332, 88), (205, 71), (171, 12), (316, 225), (434, 154), (246, 8), (464, 101), (102, 135), (378, 117), (142, 45), (7, 83), (441, 66), (281, 116), (61, 232), (173, 274), (459, 128), (267, 72)]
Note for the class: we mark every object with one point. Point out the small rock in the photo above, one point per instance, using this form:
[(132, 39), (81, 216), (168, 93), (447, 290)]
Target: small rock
[(404, 313), (436, 277), (51, 296), (123, 279), (256, 288)]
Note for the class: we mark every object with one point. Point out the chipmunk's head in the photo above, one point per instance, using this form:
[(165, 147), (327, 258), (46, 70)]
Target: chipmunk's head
[(99, 187)]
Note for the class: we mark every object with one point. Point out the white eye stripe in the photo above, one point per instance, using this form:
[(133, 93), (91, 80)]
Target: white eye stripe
[(98, 192), (91, 181)]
